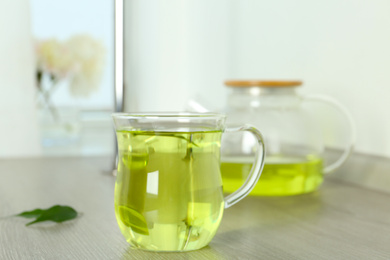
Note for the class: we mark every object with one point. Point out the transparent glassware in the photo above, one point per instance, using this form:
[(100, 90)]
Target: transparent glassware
[(294, 161), (168, 191)]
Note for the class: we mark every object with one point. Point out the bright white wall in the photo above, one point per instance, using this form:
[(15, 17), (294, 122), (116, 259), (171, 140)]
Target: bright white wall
[(340, 48), (65, 18), (181, 49)]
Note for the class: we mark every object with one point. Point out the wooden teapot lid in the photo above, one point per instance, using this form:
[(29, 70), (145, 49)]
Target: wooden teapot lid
[(262, 83)]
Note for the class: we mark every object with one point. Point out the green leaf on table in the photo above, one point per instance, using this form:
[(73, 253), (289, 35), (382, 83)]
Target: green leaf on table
[(31, 214), (56, 214)]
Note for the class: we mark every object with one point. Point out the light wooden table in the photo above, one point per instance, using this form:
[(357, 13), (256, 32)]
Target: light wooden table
[(341, 221)]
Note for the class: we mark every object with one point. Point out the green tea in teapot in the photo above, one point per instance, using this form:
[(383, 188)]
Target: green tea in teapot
[(168, 193), (295, 138), (281, 175)]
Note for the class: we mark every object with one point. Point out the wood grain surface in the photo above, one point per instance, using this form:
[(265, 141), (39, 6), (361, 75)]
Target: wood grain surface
[(343, 220)]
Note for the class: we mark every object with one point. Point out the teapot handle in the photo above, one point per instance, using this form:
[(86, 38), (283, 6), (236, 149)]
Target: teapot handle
[(257, 167), (348, 149)]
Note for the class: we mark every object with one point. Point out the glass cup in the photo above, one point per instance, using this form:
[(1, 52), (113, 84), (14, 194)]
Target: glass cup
[(168, 191)]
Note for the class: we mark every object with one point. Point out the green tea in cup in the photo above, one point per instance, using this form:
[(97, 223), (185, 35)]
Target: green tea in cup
[(168, 192)]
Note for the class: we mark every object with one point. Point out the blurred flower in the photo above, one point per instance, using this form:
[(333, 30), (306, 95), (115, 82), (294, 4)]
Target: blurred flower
[(80, 60), (53, 58), (88, 55)]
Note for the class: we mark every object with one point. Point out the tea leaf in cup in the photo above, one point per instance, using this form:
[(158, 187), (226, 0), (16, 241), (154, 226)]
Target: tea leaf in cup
[(164, 134), (134, 219)]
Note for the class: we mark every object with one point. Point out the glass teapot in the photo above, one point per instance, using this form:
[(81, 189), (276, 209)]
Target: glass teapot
[(294, 161)]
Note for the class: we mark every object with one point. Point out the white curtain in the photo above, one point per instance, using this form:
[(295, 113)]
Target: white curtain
[(19, 135), (175, 50)]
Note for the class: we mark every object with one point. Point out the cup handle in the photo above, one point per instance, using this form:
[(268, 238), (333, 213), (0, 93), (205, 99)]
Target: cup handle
[(257, 167), (350, 145)]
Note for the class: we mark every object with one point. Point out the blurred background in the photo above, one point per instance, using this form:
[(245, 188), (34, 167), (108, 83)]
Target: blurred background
[(57, 80)]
